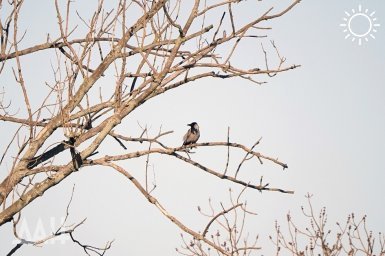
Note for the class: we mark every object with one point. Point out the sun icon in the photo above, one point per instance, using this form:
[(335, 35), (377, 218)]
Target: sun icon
[(360, 25)]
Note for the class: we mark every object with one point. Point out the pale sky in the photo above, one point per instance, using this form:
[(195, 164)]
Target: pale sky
[(326, 120)]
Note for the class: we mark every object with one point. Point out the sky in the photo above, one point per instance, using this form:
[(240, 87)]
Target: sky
[(326, 120)]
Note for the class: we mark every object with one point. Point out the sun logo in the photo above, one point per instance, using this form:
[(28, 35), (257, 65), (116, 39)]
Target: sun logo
[(359, 25)]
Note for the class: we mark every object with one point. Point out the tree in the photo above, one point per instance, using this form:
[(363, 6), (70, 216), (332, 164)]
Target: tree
[(350, 238), (145, 48)]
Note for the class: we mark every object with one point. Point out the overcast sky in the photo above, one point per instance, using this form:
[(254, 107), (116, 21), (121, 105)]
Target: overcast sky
[(326, 120)]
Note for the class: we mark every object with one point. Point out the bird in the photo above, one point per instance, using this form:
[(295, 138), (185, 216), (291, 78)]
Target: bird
[(192, 134)]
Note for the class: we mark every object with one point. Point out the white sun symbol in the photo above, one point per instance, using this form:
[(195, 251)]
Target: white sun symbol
[(369, 27)]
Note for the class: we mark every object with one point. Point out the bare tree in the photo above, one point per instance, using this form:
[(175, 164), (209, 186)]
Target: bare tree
[(145, 48), (226, 229), (350, 238)]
